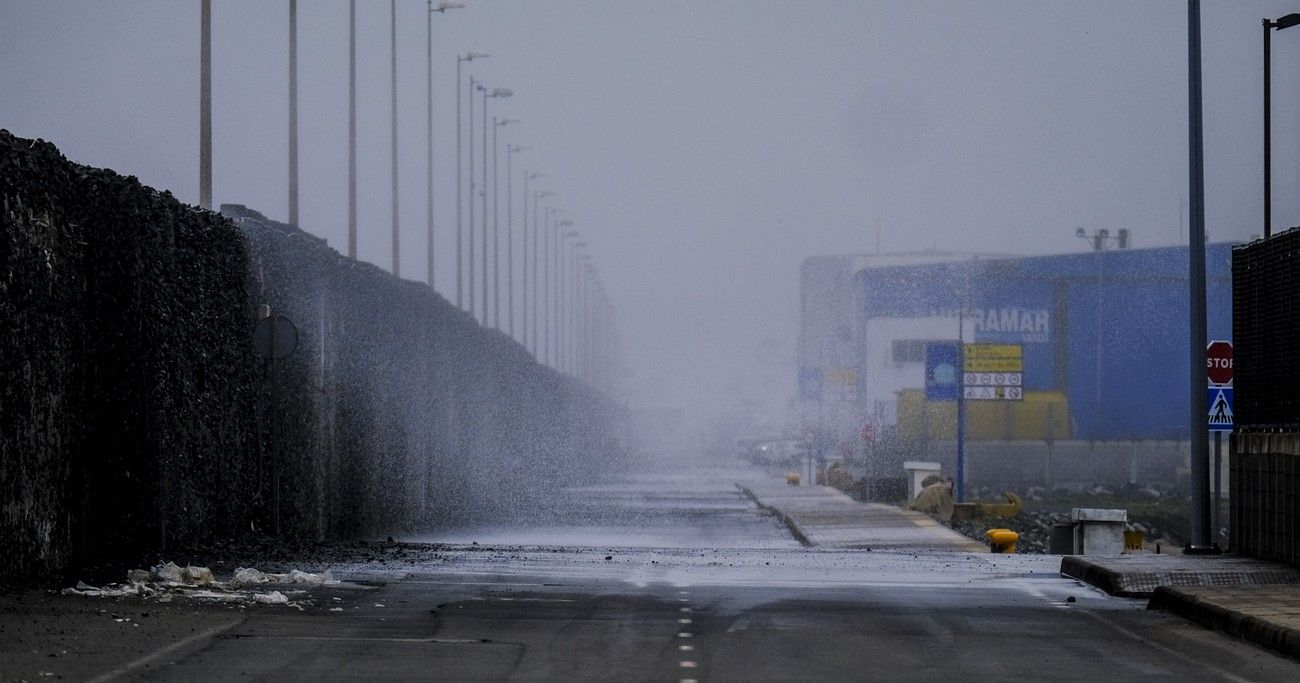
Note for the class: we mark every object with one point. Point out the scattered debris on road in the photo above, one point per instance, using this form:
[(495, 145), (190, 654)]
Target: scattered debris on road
[(165, 582)]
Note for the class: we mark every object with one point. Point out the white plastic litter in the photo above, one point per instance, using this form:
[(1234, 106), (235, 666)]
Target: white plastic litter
[(245, 576), (168, 581), (171, 573), (272, 598)]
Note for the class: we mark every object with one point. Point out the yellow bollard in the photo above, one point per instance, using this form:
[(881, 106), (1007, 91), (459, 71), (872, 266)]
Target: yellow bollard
[(1132, 540), (1002, 540), (792, 478)]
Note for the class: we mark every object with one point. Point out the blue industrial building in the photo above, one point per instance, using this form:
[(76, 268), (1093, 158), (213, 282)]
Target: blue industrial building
[(1106, 329)]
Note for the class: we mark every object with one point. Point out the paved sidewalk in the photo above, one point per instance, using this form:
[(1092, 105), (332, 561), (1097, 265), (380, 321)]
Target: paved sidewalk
[(1138, 575), (1268, 616), (824, 517), (1251, 599)]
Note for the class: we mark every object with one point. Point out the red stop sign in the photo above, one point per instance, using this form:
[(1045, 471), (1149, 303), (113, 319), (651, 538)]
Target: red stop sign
[(1218, 362)]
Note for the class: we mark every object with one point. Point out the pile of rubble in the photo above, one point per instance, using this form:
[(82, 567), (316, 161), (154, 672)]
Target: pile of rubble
[(166, 582)]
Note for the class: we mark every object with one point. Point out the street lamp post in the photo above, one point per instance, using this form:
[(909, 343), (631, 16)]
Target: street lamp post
[(576, 261), (496, 219), (1284, 22), (548, 267), (554, 316), (460, 175), (537, 266), (511, 150), (565, 260), (547, 229), (523, 332), (205, 104), (428, 58), (392, 73), (352, 129), (1199, 524), (494, 93), (293, 112)]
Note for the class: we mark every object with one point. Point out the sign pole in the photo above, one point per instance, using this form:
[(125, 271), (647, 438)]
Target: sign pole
[(961, 410), (1218, 484), (1199, 540)]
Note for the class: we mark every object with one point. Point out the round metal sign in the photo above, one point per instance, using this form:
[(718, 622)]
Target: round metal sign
[(275, 337)]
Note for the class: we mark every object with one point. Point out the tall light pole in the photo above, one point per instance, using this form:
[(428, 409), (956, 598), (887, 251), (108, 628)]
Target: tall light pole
[(473, 186), (575, 275), (511, 150), (392, 73), (496, 221), (293, 112), (569, 299), (562, 238), (538, 226), (523, 335), (584, 321), (205, 104), (352, 129), (493, 93), (548, 306), (548, 227), (1284, 22), (460, 175), (428, 59), (1199, 446)]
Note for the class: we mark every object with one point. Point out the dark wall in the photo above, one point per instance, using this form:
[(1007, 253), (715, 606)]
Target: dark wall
[(135, 414), (1265, 460)]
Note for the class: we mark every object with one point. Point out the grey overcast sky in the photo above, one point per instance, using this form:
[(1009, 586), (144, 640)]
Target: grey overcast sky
[(703, 147)]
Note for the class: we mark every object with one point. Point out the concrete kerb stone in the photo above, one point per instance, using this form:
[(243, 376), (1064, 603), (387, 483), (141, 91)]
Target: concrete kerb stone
[(1258, 629), (827, 518), (1138, 576), (792, 525)]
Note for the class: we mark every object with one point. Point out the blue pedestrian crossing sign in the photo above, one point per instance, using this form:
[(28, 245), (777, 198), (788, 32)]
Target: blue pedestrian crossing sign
[(1220, 404)]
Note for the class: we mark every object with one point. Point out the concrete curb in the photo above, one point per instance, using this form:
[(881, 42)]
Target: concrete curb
[(1255, 629), (793, 526), (1134, 577), (1095, 574)]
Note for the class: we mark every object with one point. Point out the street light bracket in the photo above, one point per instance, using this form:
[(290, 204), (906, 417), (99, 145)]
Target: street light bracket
[(1287, 21)]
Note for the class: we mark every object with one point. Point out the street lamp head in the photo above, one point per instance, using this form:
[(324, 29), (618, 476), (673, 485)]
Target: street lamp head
[(1080, 232), (536, 175), (501, 92), (444, 6), (1287, 22), (471, 56), (565, 223), (502, 122), (517, 148)]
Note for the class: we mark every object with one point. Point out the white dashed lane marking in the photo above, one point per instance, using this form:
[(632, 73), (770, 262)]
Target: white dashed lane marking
[(685, 663)]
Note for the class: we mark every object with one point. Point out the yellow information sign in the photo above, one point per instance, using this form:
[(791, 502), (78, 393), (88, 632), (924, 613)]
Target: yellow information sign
[(993, 365), (993, 358)]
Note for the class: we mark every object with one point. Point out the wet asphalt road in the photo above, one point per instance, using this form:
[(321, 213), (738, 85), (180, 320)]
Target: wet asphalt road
[(680, 578)]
